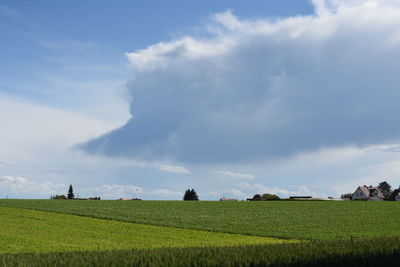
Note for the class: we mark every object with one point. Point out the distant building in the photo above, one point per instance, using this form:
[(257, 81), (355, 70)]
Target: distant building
[(367, 193), (300, 197), (227, 199)]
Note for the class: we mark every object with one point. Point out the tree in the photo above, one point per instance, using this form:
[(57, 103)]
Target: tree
[(267, 196), (257, 197), (346, 196), (194, 195), (187, 195), (190, 195), (70, 194), (58, 197), (385, 188)]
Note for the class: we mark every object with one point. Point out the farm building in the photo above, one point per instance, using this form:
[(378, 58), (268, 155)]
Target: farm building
[(395, 196), (367, 193), (227, 199)]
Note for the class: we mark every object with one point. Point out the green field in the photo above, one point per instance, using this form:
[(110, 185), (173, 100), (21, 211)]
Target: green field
[(177, 233), (361, 252), (317, 220), (37, 231)]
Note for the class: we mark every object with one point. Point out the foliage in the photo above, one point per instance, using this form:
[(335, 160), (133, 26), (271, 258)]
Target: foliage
[(267, 196), (394, 195), (70, 192), (362, 252), (190, 195), (58, 197), (285, 219), (257, 196), (346, 196), (24, 231), (385, 188)]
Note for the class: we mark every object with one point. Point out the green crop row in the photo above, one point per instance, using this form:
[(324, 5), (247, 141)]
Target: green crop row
[(37, 231), (359, 252), (315, 220)]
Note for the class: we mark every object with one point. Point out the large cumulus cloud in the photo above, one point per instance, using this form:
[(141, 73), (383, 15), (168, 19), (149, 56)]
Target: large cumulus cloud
[(260, 89)]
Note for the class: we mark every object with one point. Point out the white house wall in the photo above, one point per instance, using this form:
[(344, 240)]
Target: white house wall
[(359, 194)]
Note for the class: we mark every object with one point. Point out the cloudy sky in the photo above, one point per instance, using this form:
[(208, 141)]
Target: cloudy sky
[(232, 98)]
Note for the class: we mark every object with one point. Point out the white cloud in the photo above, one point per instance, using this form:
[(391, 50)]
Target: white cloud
[(174, 169), (256, 90), (245, 190), (162, 193), (13, 182), (228, 193), (29, 130), (115, 191), (14, 186), (17, 187), (259, 188), (112, 191), (236, 174)]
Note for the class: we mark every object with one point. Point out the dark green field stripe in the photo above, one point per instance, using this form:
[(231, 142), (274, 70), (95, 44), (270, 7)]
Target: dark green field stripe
[(358, 252)]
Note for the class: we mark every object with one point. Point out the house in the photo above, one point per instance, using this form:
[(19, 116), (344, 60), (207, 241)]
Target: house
[(395, 196), (367, 193)]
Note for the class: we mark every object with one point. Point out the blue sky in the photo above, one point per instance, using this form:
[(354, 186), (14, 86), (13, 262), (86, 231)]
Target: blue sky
[(232, 98)]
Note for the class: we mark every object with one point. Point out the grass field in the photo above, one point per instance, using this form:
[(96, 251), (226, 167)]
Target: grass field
[(360, 252), (171, 233), (317, 220), (37, 231)]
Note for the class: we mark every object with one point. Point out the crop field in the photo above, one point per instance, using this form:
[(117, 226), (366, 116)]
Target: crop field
[(361, 252), (316, 220), (200, 233), (38, 231)]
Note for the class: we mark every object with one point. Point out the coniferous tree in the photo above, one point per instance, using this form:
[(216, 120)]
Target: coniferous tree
[(190, 195), (194, 195), (187, 195), (70, 192)]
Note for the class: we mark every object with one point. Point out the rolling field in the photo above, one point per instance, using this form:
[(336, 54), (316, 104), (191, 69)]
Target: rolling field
[(171, 233), (37, 231), (313, 220)]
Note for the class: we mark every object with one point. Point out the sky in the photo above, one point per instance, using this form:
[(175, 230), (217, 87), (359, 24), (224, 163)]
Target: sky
[(232, 98)]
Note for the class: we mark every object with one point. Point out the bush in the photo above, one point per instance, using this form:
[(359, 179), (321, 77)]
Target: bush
[(346, 196), (267, 196), (59, 197), (257, 197)]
